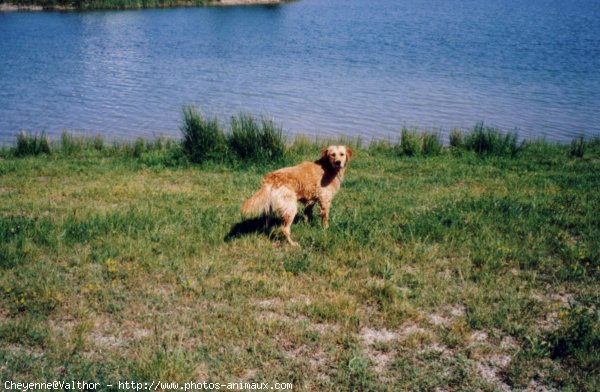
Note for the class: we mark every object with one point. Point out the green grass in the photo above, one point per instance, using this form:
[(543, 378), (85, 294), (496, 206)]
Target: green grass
[(458, 270)]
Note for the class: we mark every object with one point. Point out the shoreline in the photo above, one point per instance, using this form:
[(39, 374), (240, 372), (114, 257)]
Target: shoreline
[(11, 7)]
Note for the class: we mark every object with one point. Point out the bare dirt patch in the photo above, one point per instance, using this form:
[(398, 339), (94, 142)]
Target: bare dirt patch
[(447, 315), (372, 336), (490, 374)]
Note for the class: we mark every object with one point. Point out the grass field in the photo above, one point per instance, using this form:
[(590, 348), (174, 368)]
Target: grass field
[(456, 270)]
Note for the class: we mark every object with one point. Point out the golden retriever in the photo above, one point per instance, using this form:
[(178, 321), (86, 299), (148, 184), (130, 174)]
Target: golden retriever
[(308, 182)]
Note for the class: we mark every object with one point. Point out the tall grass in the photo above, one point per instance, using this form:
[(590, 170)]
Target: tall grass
[(430, 143), (247, 140), (256, 142), (31, 144), (72, 144), (414, 144), (203, 139), (409, 143), (456, 139), (490, 141), (577, 149)]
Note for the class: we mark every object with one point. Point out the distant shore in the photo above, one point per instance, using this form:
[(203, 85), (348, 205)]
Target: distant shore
[(9, 7), (131, 4)]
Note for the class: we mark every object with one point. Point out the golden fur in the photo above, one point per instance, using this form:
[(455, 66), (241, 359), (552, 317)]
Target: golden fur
[(308, 182)]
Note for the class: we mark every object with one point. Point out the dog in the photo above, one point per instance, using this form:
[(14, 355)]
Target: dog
[(308, 182)]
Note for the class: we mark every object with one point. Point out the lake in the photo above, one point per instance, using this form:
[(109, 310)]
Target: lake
[(317, 67)]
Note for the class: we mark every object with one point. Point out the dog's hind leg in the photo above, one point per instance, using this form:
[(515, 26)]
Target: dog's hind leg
[(286, 229), (286, 206)]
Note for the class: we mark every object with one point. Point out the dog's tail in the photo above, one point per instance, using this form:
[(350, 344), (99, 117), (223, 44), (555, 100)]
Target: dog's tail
[(259, 203)]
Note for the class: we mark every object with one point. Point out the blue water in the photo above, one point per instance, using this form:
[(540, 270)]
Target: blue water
[(317, 67)]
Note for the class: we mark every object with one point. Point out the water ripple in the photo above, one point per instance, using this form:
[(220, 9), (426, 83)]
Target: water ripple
[(333, 68)]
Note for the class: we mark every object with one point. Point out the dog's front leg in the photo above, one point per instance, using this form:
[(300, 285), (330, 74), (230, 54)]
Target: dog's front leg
[(308, 210)]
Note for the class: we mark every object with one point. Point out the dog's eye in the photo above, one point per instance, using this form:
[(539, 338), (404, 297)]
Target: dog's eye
[(333, 154), (342, 154)]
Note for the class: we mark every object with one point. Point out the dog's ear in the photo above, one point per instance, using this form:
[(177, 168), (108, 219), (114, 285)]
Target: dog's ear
[(324, 152), (348, 152)]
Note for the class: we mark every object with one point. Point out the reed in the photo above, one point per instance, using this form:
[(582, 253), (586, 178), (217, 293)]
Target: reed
[(430, 143), (203, 139), (260, 141), (577, 149), (490, 141), (456, 139), (253, 141), (31, 144), (71, 144), (409, 143)]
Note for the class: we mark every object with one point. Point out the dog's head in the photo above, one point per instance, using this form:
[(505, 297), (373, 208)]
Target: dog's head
[(336, 156)]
